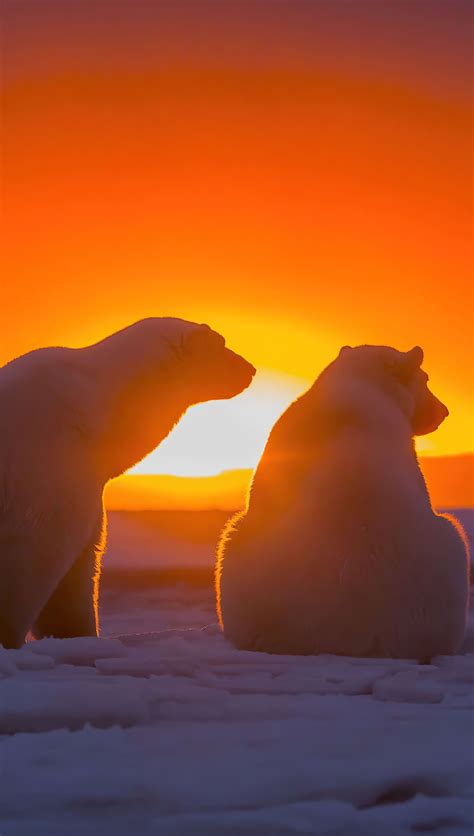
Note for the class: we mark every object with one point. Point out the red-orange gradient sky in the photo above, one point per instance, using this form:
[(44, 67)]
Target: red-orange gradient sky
[(297, 174)]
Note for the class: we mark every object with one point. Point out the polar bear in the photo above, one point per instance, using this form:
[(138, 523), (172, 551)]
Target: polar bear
[(71, 419), (339, 550)]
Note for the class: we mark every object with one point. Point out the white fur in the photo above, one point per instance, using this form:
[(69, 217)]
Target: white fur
[(71, 419), (339, 550)]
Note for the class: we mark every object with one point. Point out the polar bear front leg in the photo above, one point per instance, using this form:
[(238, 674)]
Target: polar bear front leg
[(73, 608)]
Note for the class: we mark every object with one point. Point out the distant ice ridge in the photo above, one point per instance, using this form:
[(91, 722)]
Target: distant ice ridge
[(160, 539), (178, 733)]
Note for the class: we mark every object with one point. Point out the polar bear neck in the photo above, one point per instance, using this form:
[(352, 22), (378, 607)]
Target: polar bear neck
[(141, 411), (141, 392)]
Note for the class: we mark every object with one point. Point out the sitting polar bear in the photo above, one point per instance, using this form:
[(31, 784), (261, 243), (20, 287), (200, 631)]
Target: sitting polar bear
[(72, 419), (339, 550)]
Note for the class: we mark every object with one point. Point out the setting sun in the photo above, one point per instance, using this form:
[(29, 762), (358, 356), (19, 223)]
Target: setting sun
[(294, 196), (224, 435)]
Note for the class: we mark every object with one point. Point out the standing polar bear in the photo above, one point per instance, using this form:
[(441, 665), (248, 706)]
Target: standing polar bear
[(339, 550), (71, 419)]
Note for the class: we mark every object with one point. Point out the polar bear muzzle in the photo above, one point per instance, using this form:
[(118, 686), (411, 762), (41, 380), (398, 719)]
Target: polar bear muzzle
[(217, 371)]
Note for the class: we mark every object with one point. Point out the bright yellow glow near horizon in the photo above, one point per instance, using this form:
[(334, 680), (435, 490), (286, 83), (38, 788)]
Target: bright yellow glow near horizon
[(230, 435), (225, 435)]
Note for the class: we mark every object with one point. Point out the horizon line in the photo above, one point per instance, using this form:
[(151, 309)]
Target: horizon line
[(449, 479)]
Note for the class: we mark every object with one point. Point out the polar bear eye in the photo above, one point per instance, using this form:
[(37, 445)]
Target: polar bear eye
[(405, 373), (392, 366), (177, 347), (398, 370)]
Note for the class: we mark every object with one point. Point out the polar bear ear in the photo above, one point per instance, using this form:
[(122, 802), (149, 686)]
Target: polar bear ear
[(344, 350), (414, 357), (202, 339), (210, 337), (408, 363), (411, 360)]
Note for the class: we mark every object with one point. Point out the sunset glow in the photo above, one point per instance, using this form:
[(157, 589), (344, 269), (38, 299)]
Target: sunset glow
[(257, 167), (224, 435)]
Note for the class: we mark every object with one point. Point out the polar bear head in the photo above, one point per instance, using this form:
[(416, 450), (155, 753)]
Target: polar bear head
[(149, 374), (187, 357), (209, 368), (384, 378)]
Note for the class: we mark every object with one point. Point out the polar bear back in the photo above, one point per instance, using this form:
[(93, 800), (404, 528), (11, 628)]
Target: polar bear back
[(339, 550), (315, 580)]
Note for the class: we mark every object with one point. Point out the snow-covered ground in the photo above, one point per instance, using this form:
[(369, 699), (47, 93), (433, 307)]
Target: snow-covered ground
[(168, 730)]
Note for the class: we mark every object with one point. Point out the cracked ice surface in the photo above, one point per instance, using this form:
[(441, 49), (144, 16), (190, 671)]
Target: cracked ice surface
[(178, 733), (173, 732)]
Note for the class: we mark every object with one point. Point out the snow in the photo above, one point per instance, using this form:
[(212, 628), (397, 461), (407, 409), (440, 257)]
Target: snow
[(174, 732)]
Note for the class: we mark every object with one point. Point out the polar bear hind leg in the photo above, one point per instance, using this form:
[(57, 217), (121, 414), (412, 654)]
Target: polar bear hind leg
[(72, 609)]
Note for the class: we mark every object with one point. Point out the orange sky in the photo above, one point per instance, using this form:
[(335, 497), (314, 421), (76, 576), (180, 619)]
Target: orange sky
[(296, 174)]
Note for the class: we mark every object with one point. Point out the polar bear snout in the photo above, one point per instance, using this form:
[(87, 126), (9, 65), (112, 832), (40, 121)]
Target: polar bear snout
[(240, 371), (429, 413), (226, 374), (213, 370)]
